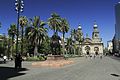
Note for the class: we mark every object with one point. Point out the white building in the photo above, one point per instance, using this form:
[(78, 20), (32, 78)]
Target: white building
[(91, 45), (110, 46)]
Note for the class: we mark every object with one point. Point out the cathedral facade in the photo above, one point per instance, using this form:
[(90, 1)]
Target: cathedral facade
[(92, 45)]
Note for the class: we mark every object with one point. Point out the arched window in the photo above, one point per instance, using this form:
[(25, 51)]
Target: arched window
[(87, 48), (96, 49)]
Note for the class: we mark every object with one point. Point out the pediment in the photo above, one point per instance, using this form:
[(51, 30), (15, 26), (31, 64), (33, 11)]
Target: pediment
[(87, 40)]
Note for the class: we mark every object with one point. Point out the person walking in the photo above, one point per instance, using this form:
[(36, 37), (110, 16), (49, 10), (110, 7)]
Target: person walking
[(4, 58), (101, 56), (18, 61)]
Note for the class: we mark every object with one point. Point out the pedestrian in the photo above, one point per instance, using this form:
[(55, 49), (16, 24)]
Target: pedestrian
[(18, 61), (94, 56), (100, 56), (4, 58)]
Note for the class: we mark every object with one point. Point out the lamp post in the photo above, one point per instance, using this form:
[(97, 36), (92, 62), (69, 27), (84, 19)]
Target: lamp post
[(19, 8)]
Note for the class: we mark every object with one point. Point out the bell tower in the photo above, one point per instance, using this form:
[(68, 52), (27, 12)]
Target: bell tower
[(95, 34), (80, 30)]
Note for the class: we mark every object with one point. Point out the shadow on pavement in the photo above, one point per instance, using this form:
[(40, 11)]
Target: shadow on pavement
[(10, 72), (1, 62), (116, 75)]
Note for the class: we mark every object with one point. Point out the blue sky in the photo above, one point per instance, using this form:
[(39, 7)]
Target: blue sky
[(77, 12)]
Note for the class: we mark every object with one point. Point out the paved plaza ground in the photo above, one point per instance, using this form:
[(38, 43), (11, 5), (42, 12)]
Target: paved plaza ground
[(107, 68)]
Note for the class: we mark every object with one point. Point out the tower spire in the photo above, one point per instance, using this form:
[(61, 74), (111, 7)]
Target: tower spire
[(79, 26), (87, 35), (95, 24)]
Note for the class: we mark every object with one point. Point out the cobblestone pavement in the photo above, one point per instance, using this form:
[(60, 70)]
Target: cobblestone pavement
[(83, 69)]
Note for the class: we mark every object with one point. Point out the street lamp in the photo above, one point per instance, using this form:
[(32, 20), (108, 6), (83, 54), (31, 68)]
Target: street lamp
[(19, 8)]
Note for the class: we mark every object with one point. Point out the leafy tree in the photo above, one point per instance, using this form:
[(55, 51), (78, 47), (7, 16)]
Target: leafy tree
[(64, 29), (79, 38), (29, 46), (23, 22), (69, 45), (37, 33), (12, 32), (54, 22), (9, 45), (44, 48), (1, 46), (5, 44), (73, 35)]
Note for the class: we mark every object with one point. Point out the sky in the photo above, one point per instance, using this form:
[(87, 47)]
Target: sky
[(83, 12)]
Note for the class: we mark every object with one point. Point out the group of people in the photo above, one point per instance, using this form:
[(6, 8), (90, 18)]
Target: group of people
[(94, 55)]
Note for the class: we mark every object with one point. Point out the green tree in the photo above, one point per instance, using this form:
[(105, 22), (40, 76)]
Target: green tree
[(73, 34), (8, 43), (37, 33), (29, 44), (54, 22), (64, 29), (44, 48), (79, 38), (23, 22), (4, 44), (69, 45), (12, 32)]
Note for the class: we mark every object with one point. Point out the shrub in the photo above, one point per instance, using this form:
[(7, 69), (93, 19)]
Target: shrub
[(36, 58)]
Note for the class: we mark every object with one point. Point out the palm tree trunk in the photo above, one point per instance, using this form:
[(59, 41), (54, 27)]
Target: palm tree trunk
[(35, 50), (36, 47), (63, 44), (74, 51), (12, 45), (8, 50), (22, 42)]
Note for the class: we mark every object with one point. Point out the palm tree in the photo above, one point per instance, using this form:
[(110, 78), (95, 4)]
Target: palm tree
[(69, 45), (37, 33), (23, 22), (8, 50), (12, 32), (79, 38), (64, 29), (73, 36), (54, 22)]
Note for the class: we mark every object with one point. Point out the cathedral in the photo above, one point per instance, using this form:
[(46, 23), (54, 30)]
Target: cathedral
[(91, 45)]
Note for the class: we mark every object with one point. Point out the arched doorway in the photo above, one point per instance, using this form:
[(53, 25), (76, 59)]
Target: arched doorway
[(96, 49), (87, 49)]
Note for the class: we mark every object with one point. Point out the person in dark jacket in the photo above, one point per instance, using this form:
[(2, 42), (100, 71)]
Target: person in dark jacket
[(18, 61)]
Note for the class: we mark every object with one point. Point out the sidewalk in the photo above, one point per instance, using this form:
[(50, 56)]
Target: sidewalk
[(115, 57)]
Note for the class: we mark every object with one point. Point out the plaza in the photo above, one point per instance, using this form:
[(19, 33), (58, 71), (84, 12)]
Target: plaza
[(52, 40), (82, 69)]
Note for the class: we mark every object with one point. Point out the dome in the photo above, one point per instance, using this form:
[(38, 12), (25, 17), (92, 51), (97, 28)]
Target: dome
[(79, 27), (95, 25)]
